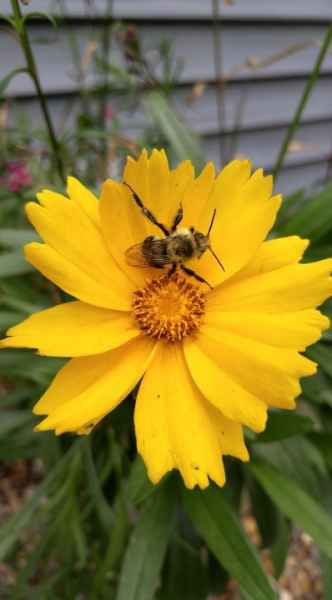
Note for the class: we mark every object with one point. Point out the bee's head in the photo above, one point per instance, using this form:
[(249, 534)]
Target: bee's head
[(201, 241)]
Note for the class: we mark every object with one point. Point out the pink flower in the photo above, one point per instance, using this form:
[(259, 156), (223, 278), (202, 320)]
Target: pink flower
[(17, 176), (109, 113)]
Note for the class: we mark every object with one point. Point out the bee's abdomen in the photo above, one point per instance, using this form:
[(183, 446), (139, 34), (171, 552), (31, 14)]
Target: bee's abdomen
[(155, 252)]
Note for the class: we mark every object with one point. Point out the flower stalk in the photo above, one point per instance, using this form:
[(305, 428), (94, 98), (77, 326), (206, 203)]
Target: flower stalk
[(303, 102), (33, 72)]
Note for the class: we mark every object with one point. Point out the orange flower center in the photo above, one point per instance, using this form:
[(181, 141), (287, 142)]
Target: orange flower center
[(169, 307)]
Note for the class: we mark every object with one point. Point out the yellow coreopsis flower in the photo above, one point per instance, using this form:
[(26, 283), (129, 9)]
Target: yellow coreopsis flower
[(212, 356)]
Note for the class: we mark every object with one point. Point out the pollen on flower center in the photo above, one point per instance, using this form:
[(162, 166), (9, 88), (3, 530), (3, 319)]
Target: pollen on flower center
[(169, 307)]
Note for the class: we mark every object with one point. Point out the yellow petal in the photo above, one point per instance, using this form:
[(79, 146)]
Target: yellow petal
[(266, 372), (66, 228), (123, 226), (74, 280), (222, 391), (272, 255), (88, 388), (245, 214), (175, 428), (196, 196), (230, 433), (73, 329), (291, 288), (160, 189), (295, 330), (85, 199)]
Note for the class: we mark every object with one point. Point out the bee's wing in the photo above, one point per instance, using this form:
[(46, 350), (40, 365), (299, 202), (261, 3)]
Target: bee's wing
[(134, 256)]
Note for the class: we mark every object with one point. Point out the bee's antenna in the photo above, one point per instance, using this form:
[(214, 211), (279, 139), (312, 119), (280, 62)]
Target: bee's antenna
[(212, 221), (216, 257), (207, 235)]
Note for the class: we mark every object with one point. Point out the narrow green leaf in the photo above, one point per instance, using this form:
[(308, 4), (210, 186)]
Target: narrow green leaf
[(181, 139), (13, 419), (296, 504), (283, 425), (265, 513), (139, 485), (40, 15), (9, 318), (221, 530), (299, 459), (323, 441), (11, 530), (103, 509), (313, 219), (5, 81), (321, 353), (17, 237), (326, 566), (13, 263), (318, 388), (147, 547), (279, 550)]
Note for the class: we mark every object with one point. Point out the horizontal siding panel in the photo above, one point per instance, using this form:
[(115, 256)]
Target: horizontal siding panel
[(308, 177), (253, 105), (193, 45), (196, 9), (247, 106), (312, 143)]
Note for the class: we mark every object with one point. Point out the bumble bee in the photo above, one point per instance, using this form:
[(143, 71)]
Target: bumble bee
[(174, 249)]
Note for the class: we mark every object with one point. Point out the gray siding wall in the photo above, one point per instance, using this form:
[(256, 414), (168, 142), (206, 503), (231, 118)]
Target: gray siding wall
[(268, 49)]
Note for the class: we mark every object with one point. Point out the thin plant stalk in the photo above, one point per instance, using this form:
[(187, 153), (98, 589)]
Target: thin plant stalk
[(33, 72), (303, 102), (106, 46), (220, 83)]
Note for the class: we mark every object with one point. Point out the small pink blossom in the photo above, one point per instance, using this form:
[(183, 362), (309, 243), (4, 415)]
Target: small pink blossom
[(17, 176), (109, 113)]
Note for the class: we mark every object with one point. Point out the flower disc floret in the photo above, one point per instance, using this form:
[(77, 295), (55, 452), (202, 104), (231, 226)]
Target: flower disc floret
[(169, 307)]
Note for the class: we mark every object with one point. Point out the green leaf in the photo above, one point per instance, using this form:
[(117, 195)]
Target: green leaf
[(265, 513), (323, 441), (40, 15), (221, 530), (13, 263), (17, 237), (5, 81), (147, 547), (314, 219), (298, 458), (318, 388), (11, 530), (279, 550), (181, 139), (296, 504), (187, 573), (326, 567), (321, 353), (13, 419), (9, 318), (139, 485), (281, 425)]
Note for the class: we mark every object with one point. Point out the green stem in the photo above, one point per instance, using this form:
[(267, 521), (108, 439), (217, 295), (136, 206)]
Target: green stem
[(220, 83), (303, 102), (33, 72), (106, 46)]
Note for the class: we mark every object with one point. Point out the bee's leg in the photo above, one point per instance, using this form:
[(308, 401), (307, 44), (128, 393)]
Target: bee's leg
[(172, 270), (147, 213), (177, 219), (193, 274)]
